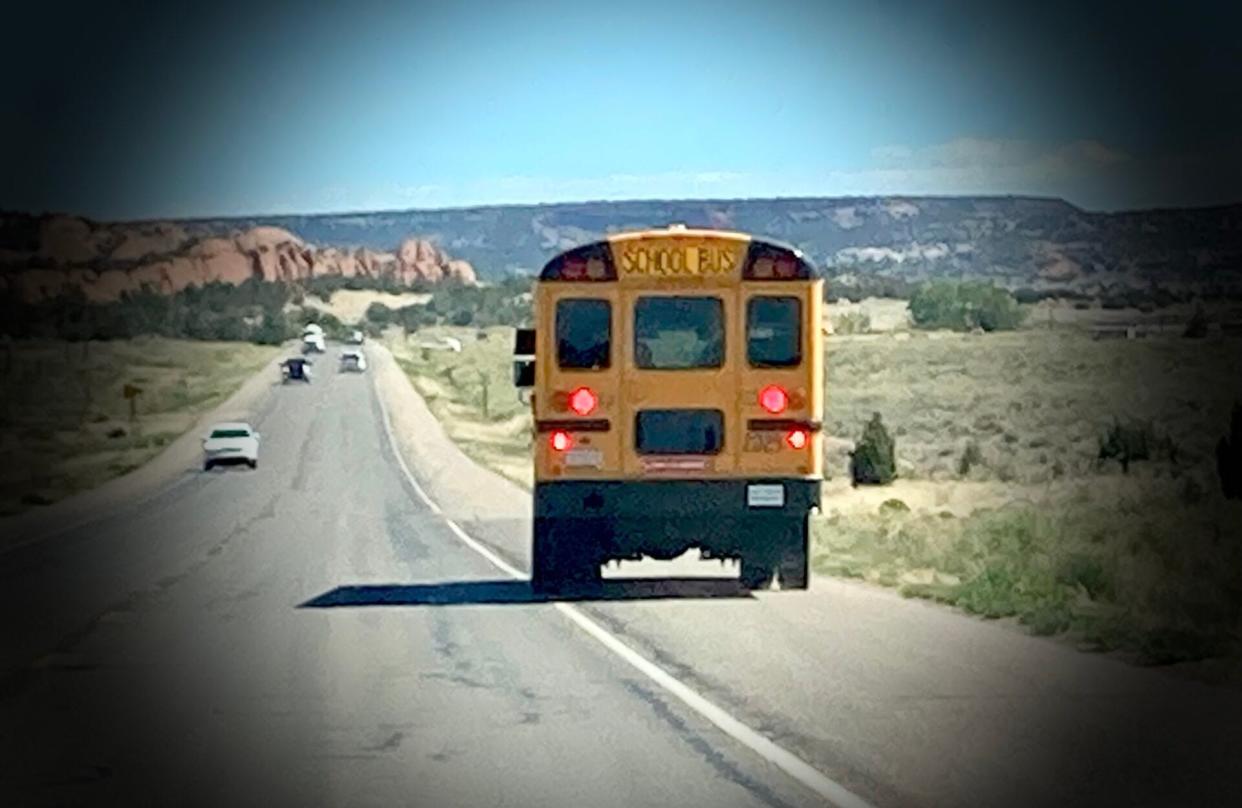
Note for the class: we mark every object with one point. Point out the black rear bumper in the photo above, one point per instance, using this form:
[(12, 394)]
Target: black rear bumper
[(664, 518)]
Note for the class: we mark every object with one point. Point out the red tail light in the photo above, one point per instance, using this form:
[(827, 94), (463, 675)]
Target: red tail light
[(797, 439), (583, 401), (561, 441), (774, 399)]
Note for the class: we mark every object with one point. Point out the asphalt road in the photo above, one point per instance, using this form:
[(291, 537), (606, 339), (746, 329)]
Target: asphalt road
[(313, 633)]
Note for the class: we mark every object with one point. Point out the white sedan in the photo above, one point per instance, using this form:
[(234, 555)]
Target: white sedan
[(230, 444)]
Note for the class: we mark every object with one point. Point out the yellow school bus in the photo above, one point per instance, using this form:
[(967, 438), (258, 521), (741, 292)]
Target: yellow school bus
[(676, 383)]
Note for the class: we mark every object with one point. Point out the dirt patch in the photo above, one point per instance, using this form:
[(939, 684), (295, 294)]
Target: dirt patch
[(350, 305)]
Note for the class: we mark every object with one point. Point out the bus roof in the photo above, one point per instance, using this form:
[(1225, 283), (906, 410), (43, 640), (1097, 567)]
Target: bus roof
[(678, 230), (550, 270)]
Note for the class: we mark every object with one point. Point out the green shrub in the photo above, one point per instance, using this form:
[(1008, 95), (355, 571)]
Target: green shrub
[(273, 330), (1131, 442), (379, 314), (971, 457), (873, 461), (1197, 326), (332, 327), (894, 506), (1229, 456), (1087, 572), (964, 306)]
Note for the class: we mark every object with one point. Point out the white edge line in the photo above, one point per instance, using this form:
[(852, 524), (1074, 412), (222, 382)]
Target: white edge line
[(778, 756)]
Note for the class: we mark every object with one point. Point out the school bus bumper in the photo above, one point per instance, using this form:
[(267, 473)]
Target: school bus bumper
[(582, 524)]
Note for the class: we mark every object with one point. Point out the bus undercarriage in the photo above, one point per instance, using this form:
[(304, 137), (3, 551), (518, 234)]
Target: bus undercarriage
[(581, 525)]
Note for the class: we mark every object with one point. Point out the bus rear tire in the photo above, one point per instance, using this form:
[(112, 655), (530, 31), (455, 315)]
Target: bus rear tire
[(563, 555), (779, 550), (756, 571), (795, 570)]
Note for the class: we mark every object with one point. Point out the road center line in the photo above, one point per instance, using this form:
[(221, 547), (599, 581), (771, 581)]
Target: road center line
[(778, 756)]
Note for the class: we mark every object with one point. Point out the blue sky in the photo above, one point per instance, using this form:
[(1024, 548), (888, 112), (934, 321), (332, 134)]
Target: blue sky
[(226, 111)]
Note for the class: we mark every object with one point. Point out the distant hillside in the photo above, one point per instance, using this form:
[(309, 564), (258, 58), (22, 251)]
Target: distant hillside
[(1019, 242)]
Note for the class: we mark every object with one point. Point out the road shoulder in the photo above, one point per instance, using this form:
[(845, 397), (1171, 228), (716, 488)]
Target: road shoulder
[(181, 457)]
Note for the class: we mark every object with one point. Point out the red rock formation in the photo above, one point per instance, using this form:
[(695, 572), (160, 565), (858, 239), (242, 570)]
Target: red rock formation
[(155, 239), (105, 262), (67, 240)]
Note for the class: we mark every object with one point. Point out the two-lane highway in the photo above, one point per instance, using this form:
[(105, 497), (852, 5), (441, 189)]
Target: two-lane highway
[(166, 655)]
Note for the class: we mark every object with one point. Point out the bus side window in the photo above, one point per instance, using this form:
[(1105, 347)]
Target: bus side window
[(583, 333), (774, 332)]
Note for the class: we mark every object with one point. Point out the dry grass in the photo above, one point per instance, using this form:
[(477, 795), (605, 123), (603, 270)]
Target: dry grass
[(452, 384), (1035, 403), (1138, 568), (881, 314), (65, 421)]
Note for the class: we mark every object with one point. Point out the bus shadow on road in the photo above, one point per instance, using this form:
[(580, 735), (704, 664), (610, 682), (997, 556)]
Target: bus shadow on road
[(478, 593)]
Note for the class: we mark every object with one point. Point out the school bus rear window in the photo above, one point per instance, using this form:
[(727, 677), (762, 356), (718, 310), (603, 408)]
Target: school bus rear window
[(774, 332), (679, 432), (583, 333), (678, 333)]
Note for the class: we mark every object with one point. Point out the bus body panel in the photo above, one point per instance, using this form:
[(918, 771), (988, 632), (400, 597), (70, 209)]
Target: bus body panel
[(624, 389), (599, 495), (551, 379), (700, 388), (765, 452)]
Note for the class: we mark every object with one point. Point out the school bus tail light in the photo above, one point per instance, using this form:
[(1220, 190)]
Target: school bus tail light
[(583, 401), (561, 441), (796, 438), (774, 399)]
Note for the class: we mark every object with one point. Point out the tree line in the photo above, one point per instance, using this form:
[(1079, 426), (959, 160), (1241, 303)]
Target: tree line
[(506, 303), (272, 312), (253, 311)]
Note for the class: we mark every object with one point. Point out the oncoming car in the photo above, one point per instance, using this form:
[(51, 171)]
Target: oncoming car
[(230, 444), (677, 399)]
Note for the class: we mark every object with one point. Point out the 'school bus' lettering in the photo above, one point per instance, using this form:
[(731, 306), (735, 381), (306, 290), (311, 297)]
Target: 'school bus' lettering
[(674, 260)]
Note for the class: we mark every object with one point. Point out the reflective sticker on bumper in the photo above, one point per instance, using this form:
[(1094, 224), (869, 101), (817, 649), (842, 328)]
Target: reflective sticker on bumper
[(765, 496)]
